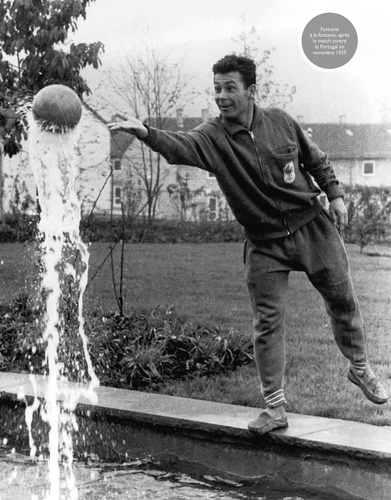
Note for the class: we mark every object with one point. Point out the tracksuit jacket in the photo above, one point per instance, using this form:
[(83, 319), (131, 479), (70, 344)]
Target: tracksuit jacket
[(265, 173)]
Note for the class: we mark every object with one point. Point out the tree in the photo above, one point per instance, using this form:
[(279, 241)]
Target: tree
[(150, 86), (183, 196), (270, 92), (33, 34), (369, 210)]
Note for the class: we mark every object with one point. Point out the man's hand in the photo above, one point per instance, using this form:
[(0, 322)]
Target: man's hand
[(339, 212), (131, 125)]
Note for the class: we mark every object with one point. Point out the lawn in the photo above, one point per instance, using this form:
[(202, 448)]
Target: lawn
[(205, 281)]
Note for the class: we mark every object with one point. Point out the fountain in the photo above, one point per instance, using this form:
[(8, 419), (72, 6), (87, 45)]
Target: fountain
[(56, 113)]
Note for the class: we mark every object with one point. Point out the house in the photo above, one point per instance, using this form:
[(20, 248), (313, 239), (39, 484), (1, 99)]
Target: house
[(361, 153)]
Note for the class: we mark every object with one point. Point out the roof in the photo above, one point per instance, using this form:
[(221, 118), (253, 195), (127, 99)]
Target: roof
[(174, 125), (119, 143), (348, 140)]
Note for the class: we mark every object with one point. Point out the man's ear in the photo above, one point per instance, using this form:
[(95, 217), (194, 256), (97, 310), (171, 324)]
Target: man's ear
[(252, 90)]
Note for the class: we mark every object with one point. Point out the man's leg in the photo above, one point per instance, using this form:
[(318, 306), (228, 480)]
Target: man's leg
[(267, 280), (324, 258)]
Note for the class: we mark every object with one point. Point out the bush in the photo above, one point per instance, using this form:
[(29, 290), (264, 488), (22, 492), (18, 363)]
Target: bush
[(138, 351), (162, 231), (21, 228), (369, 215), (18, 227)]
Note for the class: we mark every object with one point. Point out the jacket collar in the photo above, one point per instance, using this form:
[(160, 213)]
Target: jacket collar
[(232, 127)]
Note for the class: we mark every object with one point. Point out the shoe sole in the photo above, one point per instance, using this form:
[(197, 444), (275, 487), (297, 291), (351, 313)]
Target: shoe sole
[(368, 395)]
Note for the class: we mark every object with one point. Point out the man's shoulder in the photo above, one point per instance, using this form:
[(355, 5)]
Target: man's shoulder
[(276, 113), (209, 126)]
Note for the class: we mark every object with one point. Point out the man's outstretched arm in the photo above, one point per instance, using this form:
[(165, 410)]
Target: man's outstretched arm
[(191, 148)]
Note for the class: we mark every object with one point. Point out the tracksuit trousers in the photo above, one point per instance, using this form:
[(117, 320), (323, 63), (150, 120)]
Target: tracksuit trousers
[(316, 249)]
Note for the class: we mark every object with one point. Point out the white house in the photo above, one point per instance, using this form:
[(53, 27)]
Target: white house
[(361, 153)]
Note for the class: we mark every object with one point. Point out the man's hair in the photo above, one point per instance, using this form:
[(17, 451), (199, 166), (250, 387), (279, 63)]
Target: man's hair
[(244, 65)]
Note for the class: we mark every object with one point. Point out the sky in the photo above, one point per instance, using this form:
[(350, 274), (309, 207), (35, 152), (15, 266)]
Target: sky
[(204, 31)]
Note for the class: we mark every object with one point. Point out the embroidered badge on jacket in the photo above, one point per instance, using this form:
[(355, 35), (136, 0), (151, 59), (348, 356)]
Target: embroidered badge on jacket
[(289, 172)]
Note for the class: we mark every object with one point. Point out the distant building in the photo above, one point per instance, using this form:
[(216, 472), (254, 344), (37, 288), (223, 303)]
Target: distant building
[(361, 153)]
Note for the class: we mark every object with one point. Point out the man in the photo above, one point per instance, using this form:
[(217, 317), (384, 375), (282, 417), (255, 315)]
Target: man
[(264, 164)]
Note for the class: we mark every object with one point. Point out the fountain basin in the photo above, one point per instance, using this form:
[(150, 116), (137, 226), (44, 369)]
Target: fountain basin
[(347, 459)]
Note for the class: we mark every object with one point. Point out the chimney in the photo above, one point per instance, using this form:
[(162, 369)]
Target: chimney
[(179, 117), (342, 118), (205, 114)]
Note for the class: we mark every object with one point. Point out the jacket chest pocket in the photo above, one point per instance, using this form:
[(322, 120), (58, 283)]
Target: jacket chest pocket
[(285, 164)]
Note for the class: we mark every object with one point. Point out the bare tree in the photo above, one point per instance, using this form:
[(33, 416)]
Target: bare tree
[(270, 92), (151, 86)]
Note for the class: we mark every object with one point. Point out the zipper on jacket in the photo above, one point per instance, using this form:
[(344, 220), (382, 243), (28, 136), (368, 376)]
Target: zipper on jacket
[(263, 174), (258, 155)]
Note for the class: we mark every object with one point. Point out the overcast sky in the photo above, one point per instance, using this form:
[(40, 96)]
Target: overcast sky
[(204, 30)]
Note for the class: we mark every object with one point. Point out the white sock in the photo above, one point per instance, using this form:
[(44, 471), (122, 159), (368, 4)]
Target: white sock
[(357, 367), (275, 399)]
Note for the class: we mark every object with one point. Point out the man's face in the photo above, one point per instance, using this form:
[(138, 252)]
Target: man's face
[(232, 98)]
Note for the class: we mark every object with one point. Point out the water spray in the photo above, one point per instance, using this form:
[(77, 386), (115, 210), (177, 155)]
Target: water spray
[(56, 112)]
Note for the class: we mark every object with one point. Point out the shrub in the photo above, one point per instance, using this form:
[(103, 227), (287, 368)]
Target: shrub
[(141, 350), (162, 231), (18, 227), (369, 211)]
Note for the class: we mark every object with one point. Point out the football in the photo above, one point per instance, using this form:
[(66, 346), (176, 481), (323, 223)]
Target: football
[(57, 108)]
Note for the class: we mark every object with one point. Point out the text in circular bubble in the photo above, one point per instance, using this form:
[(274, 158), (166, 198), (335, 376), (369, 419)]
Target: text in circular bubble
[(329, 41)]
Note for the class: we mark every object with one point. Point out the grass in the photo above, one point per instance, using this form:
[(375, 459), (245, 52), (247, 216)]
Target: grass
[(205, 281)]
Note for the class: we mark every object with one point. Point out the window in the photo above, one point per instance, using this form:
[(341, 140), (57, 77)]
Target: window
[(212, 205), (117, 196), (368, 168), (117, 164)]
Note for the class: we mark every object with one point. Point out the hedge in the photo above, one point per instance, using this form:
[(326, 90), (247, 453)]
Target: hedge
[(24, 228)]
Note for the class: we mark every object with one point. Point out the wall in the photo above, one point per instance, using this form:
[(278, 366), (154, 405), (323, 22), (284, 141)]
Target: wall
[(351, 172)]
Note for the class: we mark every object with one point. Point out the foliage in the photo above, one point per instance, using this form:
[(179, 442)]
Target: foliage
[(20, 345), (166, 231), (369, 210), (33, 34), (18, 226), (138, 351), (21, 227), (269, 92)]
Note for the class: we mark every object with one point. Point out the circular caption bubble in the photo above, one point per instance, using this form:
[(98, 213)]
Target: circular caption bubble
[(329, 41)]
